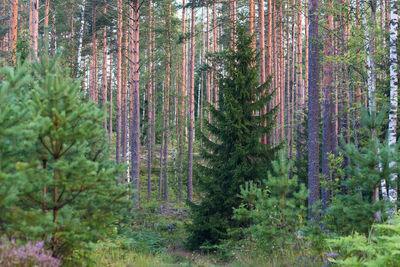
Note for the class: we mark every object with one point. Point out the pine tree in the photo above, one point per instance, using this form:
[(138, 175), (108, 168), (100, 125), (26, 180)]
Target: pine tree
[(275, 210), (354, 209), (82, 198), (234, 153)]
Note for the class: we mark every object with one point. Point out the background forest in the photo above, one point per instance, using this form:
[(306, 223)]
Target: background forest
[(199, 133)]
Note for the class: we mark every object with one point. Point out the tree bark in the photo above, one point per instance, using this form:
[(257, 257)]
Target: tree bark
[(80, 42), (119, 80), (13, 35), (182, 103), (328, 127), (313, 108), (261, 40), (104, 71), (393, 92), (149, 105), (167, 110), (34, 28), (191, 110), (135, 113)]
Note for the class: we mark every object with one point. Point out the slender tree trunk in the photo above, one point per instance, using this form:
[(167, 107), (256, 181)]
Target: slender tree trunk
[(191, 110), (110, 122), (208, 49), (167, 110), (135, 113), (93, 71), (13, 35), (393, 92), (80, 42), (149, 106), (34, 28), (328, 127), (46, 24), (300, 82), (313, 108), (182, 103), (124, 94), (261, 39), (214, 74), (306, 52), (369, 36), (104, 71), (119, 80), (252, 15)]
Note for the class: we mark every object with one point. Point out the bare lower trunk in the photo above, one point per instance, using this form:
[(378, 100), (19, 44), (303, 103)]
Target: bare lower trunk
[(135, 113), (191, 110), (393, 92)]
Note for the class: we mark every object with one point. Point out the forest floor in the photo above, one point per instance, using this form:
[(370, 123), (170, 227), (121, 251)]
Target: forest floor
[(156, 235)]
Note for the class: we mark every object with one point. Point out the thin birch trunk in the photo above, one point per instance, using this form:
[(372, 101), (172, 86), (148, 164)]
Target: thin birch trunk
[(81, 37), (393, 93)]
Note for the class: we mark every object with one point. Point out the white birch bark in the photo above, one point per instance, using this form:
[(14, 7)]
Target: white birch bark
[(369, 30), (393, 90), (81, 36)]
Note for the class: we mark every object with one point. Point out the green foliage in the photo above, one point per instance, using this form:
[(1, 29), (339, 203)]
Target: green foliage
[(16, 138), (233, 154), (60, 175), (276, 210), (354, 209), (381, 248)]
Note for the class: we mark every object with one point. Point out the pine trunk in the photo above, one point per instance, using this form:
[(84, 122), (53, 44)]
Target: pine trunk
[(261, 40), (149, 105), (135, 113), (34, 28), (313, 108), (119, 80), (104, 71), (191, 110), (328, 127), (13, 35)]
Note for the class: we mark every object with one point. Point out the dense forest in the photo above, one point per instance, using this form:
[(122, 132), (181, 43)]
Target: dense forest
[(199, 133)]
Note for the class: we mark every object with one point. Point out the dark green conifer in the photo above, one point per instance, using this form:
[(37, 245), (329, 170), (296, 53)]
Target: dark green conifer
[(232, 152)]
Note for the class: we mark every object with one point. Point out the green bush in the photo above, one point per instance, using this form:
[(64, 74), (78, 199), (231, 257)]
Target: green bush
[(276, 210), (381, 248), (57, 179)]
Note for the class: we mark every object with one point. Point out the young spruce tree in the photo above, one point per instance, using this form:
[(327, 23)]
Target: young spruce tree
[(232, 151)]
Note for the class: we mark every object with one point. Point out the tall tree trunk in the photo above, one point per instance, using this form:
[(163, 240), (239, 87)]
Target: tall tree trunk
[(149, 106), (80, 42), (167, 111), (93, 71), (306, 51), (46, 24), (119, 80), (313, 108), (182, 103), (252, 15), (261, 39), (110, 121), (135, 113), (214, 49), (13, 35), (34, 28), (328, 127), (104, 71), (124, 97), (191, 110), (393, 91), (300, 83), (369, 36), (208, 49)]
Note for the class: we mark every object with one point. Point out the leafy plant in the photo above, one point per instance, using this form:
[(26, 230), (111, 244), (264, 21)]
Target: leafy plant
[(380, 248)]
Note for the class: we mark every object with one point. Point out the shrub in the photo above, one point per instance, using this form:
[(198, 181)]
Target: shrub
[(381, 248), (28, 255)]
